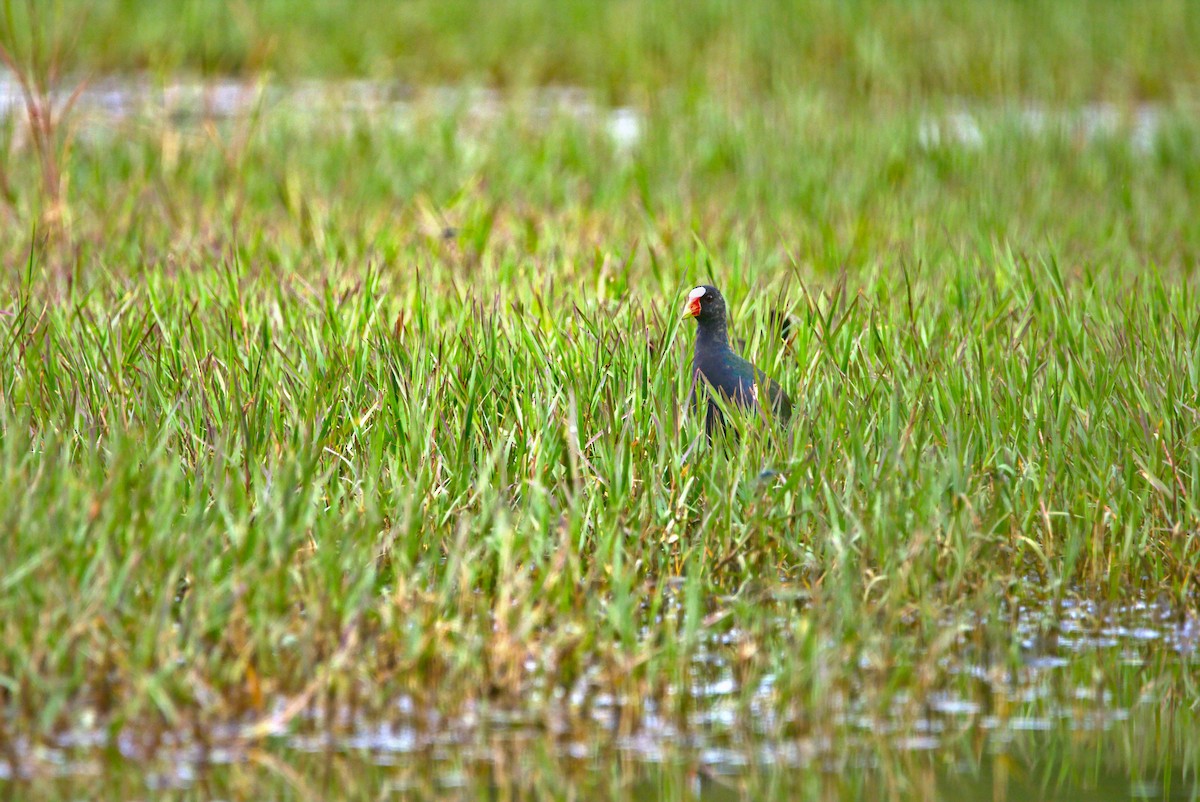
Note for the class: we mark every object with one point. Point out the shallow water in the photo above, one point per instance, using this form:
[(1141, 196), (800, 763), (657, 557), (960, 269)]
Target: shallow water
[(1040, 734), (106, 103), (520, 769), (971, 128)]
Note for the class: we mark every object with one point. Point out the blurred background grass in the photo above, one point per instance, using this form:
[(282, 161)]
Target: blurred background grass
[(786, 127), (885, 52)]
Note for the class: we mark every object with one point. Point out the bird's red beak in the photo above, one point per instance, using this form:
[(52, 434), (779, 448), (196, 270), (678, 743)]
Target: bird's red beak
[(692, 308)]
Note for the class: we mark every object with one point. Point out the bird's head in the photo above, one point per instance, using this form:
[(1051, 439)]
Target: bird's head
[(706, 305)]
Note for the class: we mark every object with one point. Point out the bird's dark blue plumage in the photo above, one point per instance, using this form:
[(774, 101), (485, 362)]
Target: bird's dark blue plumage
[(716, 369)]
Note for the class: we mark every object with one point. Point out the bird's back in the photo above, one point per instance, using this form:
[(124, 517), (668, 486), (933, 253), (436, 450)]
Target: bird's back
[(738, 382)]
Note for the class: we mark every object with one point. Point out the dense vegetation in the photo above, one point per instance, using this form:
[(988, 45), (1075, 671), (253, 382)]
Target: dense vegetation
[(306, 425)]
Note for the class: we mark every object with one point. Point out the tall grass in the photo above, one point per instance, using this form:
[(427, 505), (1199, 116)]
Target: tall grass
[(277, 451)]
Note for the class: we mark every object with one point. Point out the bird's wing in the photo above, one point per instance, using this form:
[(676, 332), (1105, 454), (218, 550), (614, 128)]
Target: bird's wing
[(739, 380), (778, 401), (756, 385), (742, 383)]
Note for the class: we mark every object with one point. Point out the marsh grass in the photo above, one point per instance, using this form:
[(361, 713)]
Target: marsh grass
[(296, 423), (885, 53)]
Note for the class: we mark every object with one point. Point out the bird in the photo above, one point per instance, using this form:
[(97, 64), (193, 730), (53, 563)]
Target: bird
[(716, 367)]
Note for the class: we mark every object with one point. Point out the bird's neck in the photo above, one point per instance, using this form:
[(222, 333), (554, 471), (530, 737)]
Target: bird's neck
[(712, 336)]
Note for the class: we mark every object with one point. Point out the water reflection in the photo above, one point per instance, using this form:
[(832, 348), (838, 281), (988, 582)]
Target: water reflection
[(1139, 126), (106, 104), (527, 771), (1035, 731)]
